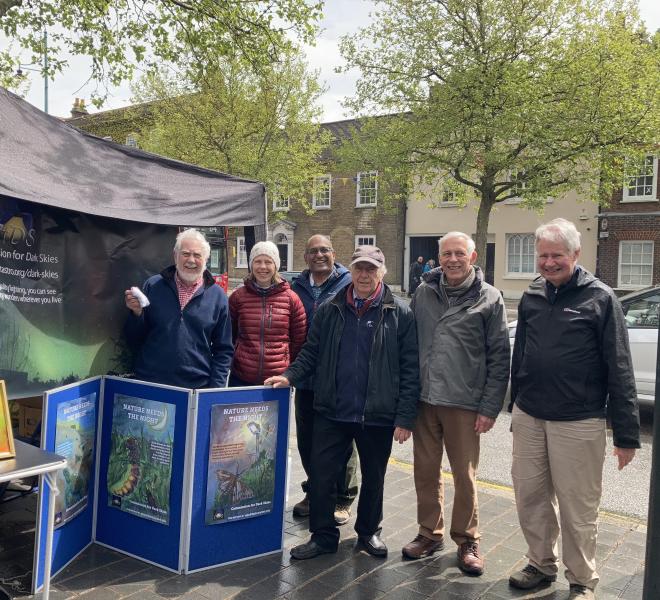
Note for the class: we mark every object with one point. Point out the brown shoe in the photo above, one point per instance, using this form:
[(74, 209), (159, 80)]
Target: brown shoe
[(469, 559), (301, 509), (342, 513), (421, 546)]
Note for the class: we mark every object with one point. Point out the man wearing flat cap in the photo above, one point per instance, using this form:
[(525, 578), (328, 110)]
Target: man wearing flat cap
[(362, 350)]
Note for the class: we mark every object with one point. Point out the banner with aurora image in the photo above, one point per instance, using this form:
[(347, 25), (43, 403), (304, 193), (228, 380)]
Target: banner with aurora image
[(140, 460), (62, 281), (242, 451), (75, 433)]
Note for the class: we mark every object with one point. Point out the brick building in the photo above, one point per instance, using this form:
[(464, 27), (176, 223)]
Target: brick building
[(348, 207), (629, 231)]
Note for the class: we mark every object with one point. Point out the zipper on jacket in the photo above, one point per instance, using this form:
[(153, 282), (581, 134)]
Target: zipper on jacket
[(270, 316), (261, 338), (380, 322)]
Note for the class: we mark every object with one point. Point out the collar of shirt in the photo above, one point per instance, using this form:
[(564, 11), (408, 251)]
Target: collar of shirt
[(361, 305), (317, 289), (186, 291)]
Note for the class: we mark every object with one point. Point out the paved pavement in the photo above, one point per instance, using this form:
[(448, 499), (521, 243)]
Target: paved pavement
[(102, 574), (625, 492)]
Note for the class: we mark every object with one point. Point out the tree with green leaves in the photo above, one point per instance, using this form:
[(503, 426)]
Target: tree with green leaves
[(260, 125), (496, 99), (121, 36)]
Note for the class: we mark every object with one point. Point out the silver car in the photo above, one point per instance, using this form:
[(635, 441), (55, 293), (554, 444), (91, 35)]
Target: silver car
[(642, 311)]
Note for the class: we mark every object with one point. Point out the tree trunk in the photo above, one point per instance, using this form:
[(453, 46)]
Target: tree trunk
[(483, 216)]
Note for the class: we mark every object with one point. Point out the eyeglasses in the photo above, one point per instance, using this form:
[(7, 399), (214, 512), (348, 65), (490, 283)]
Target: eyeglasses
[(187, 254), (319, 250)]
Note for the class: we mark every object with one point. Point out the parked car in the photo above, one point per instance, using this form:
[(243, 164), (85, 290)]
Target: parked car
[(642, 311), (289, 275)]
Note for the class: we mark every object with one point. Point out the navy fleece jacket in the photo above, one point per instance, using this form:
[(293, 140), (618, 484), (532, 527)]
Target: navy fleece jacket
[(189, 348)]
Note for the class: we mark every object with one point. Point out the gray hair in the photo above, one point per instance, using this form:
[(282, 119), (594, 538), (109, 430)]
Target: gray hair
[(471, 246), (382, 271), (559, 231), (196, 235)]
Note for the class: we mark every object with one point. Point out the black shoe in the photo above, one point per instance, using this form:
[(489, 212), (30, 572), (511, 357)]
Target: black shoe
[(309, 550), (373, 545)]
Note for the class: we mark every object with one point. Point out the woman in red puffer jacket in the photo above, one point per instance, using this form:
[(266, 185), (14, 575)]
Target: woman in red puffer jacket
[(268, 321)]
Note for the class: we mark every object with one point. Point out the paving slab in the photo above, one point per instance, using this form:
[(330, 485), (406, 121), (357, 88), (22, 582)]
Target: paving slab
[(103, 574)]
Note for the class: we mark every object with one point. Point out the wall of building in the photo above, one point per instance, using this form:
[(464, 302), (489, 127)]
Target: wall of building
[(629, 221), (342, 222), (506, 219)]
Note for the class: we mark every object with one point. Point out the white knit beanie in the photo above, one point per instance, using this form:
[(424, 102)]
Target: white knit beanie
[(268, 249)]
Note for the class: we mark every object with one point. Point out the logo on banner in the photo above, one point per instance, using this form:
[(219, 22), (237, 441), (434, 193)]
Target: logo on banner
[(16, 226)]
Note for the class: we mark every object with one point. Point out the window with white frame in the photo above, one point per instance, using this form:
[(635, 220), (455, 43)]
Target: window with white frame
[(280, 201), (321, 192), (520, 254), (367, 188), (635, 264), (241, 254), (447, 197), (640, 180), (131, 140), (214, 260), (365, 240)]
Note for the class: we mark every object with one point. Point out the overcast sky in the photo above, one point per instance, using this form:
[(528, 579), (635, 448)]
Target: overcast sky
[(341, 17)]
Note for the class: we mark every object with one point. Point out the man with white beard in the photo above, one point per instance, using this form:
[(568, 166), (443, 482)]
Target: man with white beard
[(182, 333)]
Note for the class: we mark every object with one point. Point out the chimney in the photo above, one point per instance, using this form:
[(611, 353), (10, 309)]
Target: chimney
[(79, 109)]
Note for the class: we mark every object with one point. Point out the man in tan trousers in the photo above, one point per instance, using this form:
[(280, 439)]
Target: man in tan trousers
[(571, 352), (464, 368)]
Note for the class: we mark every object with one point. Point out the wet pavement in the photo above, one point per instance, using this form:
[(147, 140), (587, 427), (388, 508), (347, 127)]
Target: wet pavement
[(103, 574)]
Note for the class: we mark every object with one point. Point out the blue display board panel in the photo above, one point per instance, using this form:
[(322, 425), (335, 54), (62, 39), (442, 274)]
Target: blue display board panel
[(211, 545), (146, 539), (73, 536)]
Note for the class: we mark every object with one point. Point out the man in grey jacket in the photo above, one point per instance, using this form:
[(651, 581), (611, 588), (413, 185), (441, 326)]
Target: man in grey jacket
[(464, 368)]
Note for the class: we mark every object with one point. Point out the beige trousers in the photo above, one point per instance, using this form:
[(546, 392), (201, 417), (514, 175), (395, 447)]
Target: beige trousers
[(557, 475), (454, 428)]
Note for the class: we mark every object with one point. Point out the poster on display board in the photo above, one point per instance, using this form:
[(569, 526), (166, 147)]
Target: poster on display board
[(140, 461), (69, 428), (241, 467), (143, 463), (258, 529), (75, 435)]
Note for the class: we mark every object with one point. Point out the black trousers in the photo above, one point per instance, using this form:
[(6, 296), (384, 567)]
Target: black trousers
[(347, 486), (332, 441)]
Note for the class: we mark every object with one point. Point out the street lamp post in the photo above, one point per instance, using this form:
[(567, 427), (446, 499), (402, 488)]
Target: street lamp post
[(651, 571)]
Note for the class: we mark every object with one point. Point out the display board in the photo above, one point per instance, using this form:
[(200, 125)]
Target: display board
[(239, 475), (180, 479), (142, 467), (69, 428)]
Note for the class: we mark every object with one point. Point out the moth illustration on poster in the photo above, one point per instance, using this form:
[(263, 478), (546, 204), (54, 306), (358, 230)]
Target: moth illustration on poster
[(140, 460), (74, 440), (241, 471)]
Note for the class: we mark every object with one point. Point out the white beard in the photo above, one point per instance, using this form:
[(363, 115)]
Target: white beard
[(188, 277)]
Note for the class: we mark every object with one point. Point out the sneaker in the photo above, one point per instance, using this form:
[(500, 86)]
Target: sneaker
[(421, 546), (302, 508), (469, 559), (342, 513), (580, 592), (529, 578)]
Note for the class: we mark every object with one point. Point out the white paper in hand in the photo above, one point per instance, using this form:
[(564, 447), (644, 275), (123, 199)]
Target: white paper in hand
[(141, 298)]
